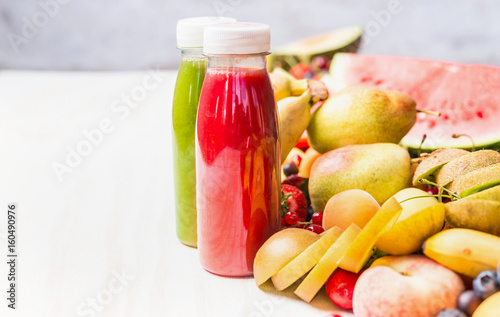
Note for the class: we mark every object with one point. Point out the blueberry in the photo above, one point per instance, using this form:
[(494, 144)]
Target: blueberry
[(498, 274), (451, 313), (290, 169), (485, 284), (310, 212), (468, 302)]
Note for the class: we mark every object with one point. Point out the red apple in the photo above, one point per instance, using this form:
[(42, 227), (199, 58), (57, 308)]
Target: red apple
[(411, 285), (340, 287)]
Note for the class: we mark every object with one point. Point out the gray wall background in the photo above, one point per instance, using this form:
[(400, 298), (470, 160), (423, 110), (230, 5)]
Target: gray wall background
[(137, 34)]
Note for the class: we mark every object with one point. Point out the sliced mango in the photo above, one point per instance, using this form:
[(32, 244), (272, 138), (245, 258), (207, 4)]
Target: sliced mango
[(305, 261), (327, 264), (362, 248)]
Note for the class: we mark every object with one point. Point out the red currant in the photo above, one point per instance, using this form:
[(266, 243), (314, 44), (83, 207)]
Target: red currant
[(433, 190), (291, 218), (283, 222), (317, 218), (315, 228)]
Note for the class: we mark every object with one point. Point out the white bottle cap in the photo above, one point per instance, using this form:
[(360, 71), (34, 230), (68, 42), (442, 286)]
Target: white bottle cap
[(190, 31), (237, 38)]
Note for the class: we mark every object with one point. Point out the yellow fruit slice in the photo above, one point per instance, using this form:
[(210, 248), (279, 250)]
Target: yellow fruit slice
[(362, 247), (305, 261), (280, 249), (327, 264)]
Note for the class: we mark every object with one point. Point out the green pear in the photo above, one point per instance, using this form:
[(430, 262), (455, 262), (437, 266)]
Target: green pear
[(381, 169), (361, 115), (474, 214), (492, 193)]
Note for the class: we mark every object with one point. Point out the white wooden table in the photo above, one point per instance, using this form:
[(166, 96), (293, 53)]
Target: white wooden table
[(91, 174)]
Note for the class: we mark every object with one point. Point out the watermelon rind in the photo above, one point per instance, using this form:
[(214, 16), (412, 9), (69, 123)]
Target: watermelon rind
[(347, 39)]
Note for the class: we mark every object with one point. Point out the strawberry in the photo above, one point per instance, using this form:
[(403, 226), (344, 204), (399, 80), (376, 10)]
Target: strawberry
[(295, 201)]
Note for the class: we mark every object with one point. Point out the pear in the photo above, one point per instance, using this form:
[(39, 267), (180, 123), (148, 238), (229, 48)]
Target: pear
[(434, 161), (421, 218), (381, 169), (476, 180), (361, 115), (477, 214), (492, 193), (465, 164)]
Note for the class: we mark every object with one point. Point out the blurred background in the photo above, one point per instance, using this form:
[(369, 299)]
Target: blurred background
[(138, 34)]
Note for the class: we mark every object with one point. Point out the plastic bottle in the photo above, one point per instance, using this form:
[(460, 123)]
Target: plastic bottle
[(237, 150), (185, 104)]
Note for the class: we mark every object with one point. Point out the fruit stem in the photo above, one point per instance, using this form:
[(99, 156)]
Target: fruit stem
[(456, 136), (416, 160), (421, 143), (430, 112), (424, 196), (428, 182), (304, 223)]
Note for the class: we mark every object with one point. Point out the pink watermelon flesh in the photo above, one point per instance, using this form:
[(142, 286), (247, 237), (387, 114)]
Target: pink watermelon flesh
[(468, 96)]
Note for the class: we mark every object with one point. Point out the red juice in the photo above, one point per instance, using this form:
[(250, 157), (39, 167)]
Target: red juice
[(238, 172)]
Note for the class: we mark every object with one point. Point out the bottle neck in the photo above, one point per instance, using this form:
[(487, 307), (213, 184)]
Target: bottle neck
[(191, 51), (235, 61)]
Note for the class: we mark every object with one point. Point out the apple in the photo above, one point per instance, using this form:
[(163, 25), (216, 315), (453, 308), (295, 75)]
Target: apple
[(410, 285), (305, 261), (340, 288), (278, 250), (319, 275)]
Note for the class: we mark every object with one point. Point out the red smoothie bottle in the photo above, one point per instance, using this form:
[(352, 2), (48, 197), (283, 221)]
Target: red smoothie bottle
[(237, 150)]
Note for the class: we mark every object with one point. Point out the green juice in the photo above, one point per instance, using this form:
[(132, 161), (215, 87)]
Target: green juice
[(185, 105)]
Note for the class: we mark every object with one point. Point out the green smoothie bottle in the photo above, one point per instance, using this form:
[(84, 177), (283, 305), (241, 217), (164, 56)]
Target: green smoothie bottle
[(185, 105)]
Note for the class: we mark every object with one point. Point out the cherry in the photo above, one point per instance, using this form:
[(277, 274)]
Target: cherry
[(315, 228), (317, 218), (291, 218)]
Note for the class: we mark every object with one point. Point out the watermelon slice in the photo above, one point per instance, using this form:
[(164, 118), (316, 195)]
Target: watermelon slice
[(468, 96)]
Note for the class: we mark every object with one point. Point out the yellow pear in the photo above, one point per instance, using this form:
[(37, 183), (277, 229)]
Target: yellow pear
[(421, 218), (361, 115), (381, 169)]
